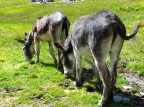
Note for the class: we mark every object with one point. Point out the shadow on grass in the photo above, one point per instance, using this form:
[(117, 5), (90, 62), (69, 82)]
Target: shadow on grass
[(89, 81), (43, 63), (90, 84)]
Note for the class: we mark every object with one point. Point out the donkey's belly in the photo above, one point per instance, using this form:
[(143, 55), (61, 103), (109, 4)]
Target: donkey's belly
[(45, 37), (85, 52)]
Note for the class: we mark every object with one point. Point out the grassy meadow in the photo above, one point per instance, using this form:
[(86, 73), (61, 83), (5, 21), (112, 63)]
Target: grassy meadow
[(24, 83)]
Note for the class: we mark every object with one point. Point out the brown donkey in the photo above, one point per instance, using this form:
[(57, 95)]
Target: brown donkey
[(51, 28)]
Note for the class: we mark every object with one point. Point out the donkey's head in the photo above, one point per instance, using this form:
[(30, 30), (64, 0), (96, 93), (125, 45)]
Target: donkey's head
[(67, 58), (28, 46)]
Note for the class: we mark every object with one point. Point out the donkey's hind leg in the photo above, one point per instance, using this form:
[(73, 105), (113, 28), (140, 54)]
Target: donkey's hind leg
[(52, 53), (114, 55)]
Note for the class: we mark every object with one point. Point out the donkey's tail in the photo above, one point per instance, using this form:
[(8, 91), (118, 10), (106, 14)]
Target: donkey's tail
[(120, 28), (65, 26)]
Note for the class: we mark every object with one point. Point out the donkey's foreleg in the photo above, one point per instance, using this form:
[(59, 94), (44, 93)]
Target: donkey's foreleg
[(37, 49), (60, 65), (78, 69)]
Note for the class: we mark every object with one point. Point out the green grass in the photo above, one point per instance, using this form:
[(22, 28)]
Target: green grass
[(27, 84)]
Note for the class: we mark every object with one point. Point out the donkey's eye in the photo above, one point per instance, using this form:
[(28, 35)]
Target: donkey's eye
[(23, 48)]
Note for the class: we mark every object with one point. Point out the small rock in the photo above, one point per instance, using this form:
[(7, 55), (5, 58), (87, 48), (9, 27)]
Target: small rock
[(126, 100), (74, 83), (142, 94), (127, 87), (117, 99), (137, 94), (67, 91)]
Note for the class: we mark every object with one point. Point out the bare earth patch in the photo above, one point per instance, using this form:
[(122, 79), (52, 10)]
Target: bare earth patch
[(134, 80), (133, 91)]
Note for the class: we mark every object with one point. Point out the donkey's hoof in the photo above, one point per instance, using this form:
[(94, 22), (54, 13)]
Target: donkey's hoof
[(102, 104), (37, 61), (55, 62), (78, 84)]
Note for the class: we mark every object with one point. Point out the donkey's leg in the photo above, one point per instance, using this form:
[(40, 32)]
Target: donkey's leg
[(100, 62), (52, 52), (78, 69), (102, 67), (56, 38), (61, 37), (96, 72), (114, 55), (60, 65), (113, 69), (37, 48)]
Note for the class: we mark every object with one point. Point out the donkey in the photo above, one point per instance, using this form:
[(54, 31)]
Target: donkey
[(93, 37), (51, 28)]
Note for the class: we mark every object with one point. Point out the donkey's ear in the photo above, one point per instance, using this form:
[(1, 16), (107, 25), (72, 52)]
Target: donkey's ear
[(20, 41), (26, 34), (59, 47)]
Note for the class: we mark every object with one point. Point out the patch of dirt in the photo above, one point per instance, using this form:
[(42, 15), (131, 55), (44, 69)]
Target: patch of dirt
[(134, 89), (66, 83), (38, 97), (87, 76), (7, 100), (9, 90), (134, 80)]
